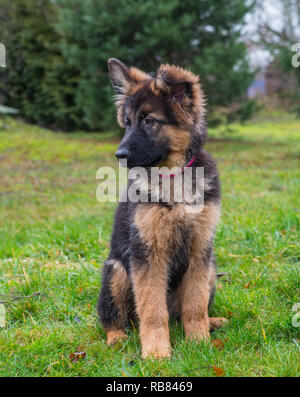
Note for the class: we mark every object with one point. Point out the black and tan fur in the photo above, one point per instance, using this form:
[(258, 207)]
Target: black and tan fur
[(161, 261)]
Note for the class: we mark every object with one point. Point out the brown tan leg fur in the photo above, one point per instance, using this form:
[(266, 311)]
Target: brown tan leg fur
[(120, 288)]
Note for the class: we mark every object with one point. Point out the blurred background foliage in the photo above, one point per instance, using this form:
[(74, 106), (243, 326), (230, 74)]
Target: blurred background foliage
[(57, 51), (279, 39)]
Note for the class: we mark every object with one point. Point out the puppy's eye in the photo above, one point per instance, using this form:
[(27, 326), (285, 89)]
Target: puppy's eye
[(148, 121), (127, 122)]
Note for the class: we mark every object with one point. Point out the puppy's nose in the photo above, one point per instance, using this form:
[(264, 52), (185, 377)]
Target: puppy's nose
[(122, 153)]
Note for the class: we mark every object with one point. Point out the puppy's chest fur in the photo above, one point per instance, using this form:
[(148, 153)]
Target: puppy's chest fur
[(175, 237)]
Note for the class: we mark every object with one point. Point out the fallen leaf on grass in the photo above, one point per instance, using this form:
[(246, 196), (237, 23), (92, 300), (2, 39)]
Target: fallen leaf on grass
[(78, 355), (218, 343), (229, 314), (219, 371)]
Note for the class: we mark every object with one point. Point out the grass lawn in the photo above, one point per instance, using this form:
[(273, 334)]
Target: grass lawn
[(54, 237)]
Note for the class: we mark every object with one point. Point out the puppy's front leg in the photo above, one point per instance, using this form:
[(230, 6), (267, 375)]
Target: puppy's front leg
[(195, 297), (150, 287)]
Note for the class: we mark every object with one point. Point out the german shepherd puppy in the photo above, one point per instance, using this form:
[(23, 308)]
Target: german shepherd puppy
[(161, 261)]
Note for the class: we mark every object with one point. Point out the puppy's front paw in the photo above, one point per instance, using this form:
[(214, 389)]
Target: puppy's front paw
[(198, 331), (156, 344), (157, 352)]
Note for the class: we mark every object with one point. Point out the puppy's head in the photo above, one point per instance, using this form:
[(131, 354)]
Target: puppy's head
[(161, 115)]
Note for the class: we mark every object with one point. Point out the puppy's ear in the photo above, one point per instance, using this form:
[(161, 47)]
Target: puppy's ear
[(122, 77), (182, 91), (119, 75), (176, 86), (124, 81)]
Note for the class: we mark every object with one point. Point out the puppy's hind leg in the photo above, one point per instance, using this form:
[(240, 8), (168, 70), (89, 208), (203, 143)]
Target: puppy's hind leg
[(114, 301), (214, 322)]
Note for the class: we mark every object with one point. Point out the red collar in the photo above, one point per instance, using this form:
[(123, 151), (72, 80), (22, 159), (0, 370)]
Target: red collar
[(182, 169)]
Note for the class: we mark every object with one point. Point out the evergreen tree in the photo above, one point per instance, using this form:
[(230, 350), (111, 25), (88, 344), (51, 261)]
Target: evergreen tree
[(202, 35), (37, 79), (58, 49)]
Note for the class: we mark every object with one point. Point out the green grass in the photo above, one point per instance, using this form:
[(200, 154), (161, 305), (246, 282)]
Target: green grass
[(54, 237)]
